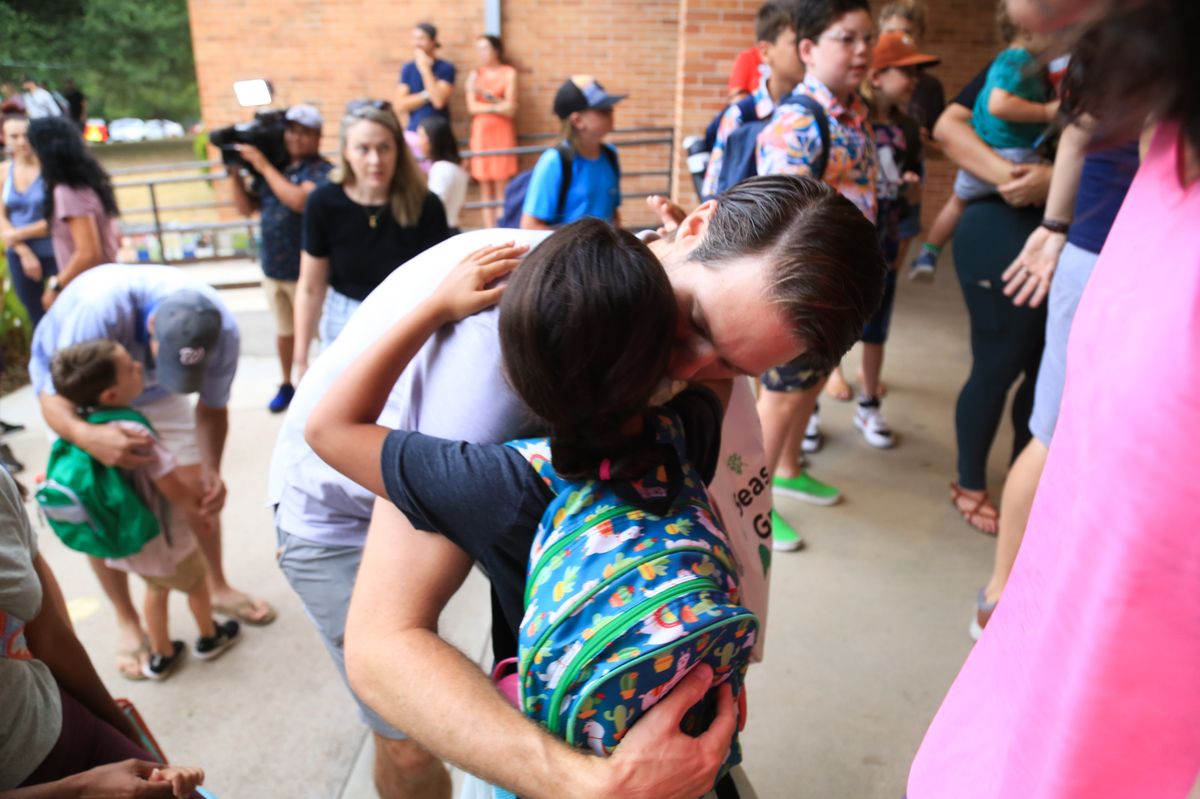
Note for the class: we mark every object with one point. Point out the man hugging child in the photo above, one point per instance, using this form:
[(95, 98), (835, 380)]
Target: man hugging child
[(101, 374)]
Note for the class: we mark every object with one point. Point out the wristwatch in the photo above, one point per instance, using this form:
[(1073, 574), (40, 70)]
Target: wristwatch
[(52, 282), (1056, 226)]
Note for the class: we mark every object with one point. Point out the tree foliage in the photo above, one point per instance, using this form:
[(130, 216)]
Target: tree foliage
[(130, 57)]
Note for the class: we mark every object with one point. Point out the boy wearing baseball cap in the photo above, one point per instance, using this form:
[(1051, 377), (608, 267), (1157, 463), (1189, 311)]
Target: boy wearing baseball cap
[(580, 176)]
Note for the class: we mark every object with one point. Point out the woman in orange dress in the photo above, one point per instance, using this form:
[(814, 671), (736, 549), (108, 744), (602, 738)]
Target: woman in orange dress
[(492, 103)]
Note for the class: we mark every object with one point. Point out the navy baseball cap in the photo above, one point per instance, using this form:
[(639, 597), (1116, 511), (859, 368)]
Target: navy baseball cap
[(583, 93), (187, 326)]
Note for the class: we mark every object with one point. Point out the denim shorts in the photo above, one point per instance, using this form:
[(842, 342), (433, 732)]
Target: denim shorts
[(335, 313), (910, 222), (799, 374), (1075, 266)]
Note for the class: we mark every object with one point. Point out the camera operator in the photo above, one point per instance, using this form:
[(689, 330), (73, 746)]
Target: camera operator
[(280, 195)]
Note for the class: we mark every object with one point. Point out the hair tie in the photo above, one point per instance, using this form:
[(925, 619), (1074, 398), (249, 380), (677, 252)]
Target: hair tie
[(606, 469)]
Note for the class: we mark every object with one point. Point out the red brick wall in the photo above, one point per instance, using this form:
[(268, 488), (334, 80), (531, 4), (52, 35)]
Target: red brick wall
[(671, 56)]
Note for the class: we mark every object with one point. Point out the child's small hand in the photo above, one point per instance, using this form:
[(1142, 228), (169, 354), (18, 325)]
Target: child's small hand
[(910, 177), (465, 290), (183, 779)]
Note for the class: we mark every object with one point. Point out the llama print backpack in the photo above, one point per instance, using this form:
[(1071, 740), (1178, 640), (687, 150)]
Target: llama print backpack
[(621, 603)]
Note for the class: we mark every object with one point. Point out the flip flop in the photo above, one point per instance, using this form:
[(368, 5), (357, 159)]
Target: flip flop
[(243, 609), (130, 661), (981, 508)]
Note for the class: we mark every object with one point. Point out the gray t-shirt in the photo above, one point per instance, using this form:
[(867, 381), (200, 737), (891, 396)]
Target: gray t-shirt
[(30, 708)]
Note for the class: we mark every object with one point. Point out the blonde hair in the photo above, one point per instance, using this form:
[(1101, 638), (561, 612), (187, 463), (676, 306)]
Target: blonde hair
[(407, 190), (911, 10), (570, 133)]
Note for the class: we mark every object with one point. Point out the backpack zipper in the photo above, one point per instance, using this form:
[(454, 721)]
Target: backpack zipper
[(566, 539)]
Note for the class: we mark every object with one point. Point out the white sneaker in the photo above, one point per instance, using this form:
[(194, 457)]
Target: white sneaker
[(869, 419), (812, 434)]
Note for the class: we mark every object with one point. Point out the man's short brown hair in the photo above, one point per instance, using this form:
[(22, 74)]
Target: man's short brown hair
[(82, 372)]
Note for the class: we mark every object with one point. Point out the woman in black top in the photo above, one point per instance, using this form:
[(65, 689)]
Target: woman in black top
[(375, 214)]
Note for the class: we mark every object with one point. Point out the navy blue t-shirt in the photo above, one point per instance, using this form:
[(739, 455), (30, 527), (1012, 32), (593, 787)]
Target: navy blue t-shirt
[(410, 76), (488, 500), (282, 228), (1103, 185)]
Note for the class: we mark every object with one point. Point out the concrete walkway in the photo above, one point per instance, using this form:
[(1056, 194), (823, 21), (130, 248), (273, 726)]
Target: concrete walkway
[(867, 626)]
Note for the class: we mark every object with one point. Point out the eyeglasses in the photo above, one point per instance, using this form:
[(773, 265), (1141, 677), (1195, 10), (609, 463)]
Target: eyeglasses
[(850, 39), (357, 106)]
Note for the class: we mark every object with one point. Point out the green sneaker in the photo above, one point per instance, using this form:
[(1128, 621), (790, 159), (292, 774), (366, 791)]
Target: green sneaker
[(783, 536), (807, 488)]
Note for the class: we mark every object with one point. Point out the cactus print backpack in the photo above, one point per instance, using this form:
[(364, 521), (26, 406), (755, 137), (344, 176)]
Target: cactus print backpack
[(621, 603)]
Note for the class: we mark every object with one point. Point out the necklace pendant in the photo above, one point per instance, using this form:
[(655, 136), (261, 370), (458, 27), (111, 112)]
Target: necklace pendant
[(373, 219)]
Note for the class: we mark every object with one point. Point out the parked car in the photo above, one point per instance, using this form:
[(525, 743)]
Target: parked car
[(162, 129), (126, 129), (95, 131)]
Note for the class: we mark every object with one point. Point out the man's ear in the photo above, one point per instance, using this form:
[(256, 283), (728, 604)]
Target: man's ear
[(695, 225)]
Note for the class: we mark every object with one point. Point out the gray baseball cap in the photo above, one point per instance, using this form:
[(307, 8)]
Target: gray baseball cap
[(187, 326), (304, 115)]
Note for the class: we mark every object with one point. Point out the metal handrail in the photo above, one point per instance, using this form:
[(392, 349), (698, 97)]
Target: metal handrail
[(158, 227)]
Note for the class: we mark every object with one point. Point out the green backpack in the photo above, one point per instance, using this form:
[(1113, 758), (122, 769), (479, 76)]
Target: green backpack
[(94, 508)]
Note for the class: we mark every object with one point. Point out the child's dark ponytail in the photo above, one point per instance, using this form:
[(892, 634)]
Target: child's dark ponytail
[(586, 326)]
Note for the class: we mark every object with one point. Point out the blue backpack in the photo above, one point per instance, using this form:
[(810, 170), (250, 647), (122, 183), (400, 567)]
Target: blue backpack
[(518, 187), (741, 148), (621, 603)]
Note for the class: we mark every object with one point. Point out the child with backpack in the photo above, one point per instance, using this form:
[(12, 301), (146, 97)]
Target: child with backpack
[(775, 34), (605, 558), (581, 175), (101, 376), (1011, 115), (833, 141)]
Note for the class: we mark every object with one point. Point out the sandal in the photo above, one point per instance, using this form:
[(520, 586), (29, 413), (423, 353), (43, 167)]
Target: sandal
[(131, 663), (244, 611), (979, 512)]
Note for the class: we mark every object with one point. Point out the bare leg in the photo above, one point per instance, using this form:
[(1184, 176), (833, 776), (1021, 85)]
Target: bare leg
[(837, 387), (946, 221), (777, 410), (791, 454), (156, 621), (1020, 487), (221, 592), (115, 585), (200, 603), (403, 770), (285, 344), (487, 189), (872, 368)]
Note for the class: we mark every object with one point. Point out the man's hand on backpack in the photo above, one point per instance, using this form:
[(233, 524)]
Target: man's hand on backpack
[(115, 446), (657, 760)]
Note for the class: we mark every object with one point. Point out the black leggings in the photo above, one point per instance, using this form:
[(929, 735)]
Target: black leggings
[(1006, 341)]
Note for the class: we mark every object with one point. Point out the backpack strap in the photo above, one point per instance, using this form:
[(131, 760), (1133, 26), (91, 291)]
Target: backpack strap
[(815, 108), (748, 108), (566, 154), (103, 415)]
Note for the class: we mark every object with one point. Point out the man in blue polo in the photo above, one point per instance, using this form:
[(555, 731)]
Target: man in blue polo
[(427, 81), (187, 342)]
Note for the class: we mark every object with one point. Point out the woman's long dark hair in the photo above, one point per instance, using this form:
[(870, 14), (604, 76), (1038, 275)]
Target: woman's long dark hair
[(1140, 62), (442, 146), (65, 160), (586, 326)]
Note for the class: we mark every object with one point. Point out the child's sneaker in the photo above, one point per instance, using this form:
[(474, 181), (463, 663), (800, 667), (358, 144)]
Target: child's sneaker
[(216, 644), (807, 488), (812, 434), (869, 419), (160, 667), (924, 267), (783, 536)]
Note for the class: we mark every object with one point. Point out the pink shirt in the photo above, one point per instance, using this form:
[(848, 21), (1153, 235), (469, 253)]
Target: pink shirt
[(1086, 683), (71, 201)]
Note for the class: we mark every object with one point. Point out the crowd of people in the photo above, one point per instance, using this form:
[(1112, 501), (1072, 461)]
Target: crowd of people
[(567, 407)]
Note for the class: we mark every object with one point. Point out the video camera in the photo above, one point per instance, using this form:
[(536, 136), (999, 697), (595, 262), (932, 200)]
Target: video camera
[(265, 132)]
